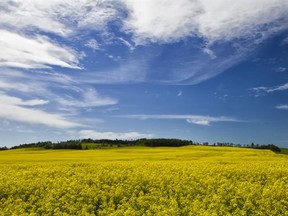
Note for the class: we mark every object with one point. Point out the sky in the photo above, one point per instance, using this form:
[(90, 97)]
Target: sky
[(202, 70)]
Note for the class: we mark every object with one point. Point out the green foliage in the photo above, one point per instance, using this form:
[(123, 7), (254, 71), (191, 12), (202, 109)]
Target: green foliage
[(105, 143), (271, 147), (86, 144), (3, 148), (164, 142), (284, 151)]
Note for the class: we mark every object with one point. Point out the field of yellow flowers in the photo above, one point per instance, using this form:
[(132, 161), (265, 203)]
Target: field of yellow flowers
[(194, 180)]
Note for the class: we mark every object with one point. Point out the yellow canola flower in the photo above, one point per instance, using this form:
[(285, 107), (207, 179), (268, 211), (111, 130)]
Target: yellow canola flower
[(141, 181)]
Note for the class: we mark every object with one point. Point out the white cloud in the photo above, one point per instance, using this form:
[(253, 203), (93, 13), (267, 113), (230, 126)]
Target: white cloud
[(93, 44), (92, 14), (282, 107), (22, 23), (203, 122), (127, 43), (21, 15), (35, 84), (262, 90), (8, 85), (209, 52), (90, 98), (150, 20), (64, 92), (193, 119), (18, 101), (114, 58), (11, 109), (179, 93), (241, 24), (112, 135), (229, 32), (160, 20), (132, 71), (281, 69), (38, 52), (61, 17), (278, 88), (228, 20), (169, 20)]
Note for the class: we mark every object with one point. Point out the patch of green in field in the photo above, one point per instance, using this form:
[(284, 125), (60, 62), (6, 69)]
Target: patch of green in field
[(89, 146), (284, 151)]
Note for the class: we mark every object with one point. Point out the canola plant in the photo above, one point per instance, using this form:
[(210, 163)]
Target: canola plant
[(190, 180)]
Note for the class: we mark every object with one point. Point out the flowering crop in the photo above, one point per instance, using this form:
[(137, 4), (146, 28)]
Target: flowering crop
[(144, 181)]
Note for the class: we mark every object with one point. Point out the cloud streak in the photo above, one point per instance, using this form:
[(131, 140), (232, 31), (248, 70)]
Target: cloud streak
[(18, 101), (193, 119), (90, 98), (282, 107), (33, 52), (264, 90), (15, 109)]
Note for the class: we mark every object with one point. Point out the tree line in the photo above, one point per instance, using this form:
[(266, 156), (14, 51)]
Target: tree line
[(82, 144), (78, 144)]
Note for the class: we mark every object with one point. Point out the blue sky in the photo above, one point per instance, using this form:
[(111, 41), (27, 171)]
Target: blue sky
[(198, 70)]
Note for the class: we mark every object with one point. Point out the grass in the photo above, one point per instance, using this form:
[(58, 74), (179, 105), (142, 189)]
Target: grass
[(92, 146), (284, 151)]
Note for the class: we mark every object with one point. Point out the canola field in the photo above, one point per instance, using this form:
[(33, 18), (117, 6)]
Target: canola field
[(194, 180)]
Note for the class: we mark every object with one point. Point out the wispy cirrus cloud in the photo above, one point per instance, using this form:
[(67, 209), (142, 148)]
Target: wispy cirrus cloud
[(193, 119), (278, 88), (93, 44), (20, 51), (264, 90), (280, 69), (132, 70), (18, 101), (17, 110), (90, 98), (179, 94), (27, 44), (238, 26), (282, 107), (56, 16), (52, 91), (220, 26)]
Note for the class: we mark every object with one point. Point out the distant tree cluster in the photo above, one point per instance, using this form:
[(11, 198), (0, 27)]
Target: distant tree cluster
[(70, 144), (271, 147), (108, 142), (227, 144), (3, 148), (46, 144), (164, 142)]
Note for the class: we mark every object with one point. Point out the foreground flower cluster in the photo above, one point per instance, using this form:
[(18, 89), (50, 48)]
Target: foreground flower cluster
[(187, 181)]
